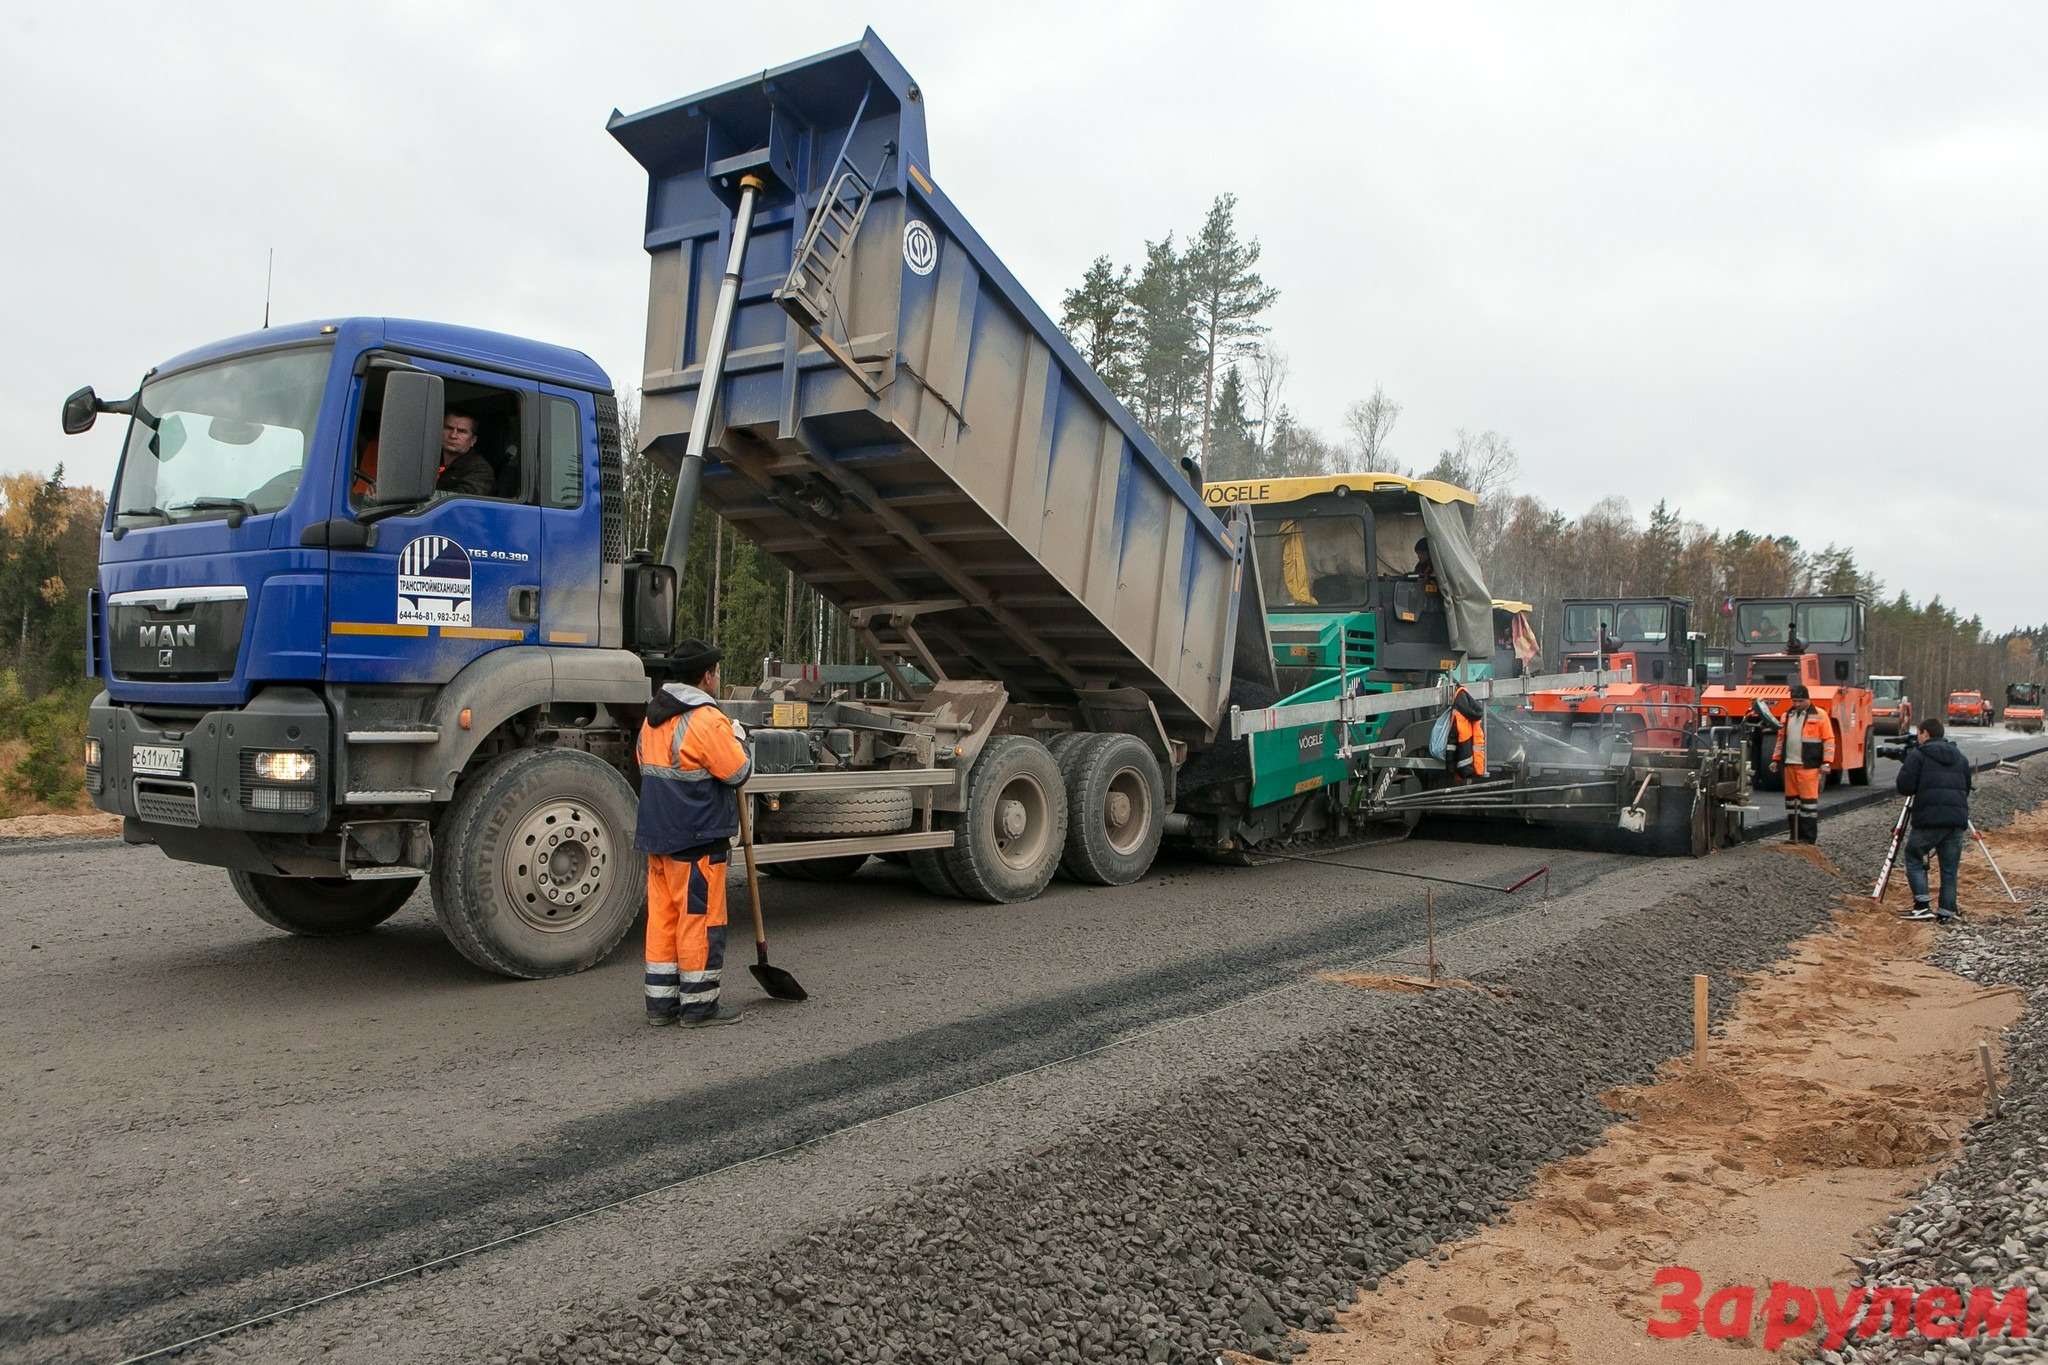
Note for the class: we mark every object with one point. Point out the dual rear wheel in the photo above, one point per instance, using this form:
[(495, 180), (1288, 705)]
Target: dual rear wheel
[(1091, 806)]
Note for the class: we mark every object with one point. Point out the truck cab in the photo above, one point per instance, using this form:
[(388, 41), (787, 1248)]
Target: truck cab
[(1648, 636), (1813, 641), (348, 568)]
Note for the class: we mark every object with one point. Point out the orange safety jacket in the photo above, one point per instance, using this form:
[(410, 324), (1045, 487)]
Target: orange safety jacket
[(1814, 743), (692, 766), (1468, 736)]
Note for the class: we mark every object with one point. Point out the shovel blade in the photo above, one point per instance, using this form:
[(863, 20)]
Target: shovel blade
[(778, 983)]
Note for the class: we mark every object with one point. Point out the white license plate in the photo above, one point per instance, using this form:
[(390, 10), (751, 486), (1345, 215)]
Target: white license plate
[(161, 760)]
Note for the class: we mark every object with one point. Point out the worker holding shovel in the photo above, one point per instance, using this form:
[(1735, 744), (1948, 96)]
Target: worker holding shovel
[(693, 761), (1805, 753)]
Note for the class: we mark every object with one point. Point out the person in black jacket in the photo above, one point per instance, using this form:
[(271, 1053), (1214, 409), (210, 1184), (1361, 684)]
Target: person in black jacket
[(1938, 778), (463, 467)]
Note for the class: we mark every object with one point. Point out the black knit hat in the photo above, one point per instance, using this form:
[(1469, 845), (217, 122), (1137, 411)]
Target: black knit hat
[(692, 658)]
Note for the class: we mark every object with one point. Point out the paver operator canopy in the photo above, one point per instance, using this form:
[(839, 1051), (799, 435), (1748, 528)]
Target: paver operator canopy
[(1312, 556)]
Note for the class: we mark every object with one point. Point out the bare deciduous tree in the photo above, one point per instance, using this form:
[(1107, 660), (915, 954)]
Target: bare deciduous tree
[(1369, 421)]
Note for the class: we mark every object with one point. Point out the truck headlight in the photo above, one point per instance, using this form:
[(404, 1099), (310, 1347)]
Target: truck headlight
[(95, 772), (92, 752), (283, 765)]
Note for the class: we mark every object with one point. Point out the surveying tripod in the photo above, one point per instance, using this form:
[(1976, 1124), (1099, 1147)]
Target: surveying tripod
[(1898, 844)]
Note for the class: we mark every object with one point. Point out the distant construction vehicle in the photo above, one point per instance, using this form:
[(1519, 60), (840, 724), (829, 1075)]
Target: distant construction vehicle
[(1646, 636), (1969, 707), (2023, 709), (1816, 641), (1891, 708)]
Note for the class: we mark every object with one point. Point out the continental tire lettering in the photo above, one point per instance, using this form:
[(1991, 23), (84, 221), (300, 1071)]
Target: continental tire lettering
[(1984, 1318), (1893, 1300), (1840, 1314), (1778, 1327), (1935, 1312), (1683, 1299), (1728, 1311)]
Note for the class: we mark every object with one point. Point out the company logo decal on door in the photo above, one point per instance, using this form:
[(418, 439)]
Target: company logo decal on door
[(433, 583)]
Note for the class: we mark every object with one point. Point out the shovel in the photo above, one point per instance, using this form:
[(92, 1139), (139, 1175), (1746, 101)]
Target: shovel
[(774, 980)]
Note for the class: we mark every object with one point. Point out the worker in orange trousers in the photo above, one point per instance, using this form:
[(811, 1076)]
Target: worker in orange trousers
[(1805, 753), (693, 762)]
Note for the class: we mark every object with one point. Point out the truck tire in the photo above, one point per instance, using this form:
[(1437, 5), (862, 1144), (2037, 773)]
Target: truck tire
[(820, 869), (1010, 838), (928, 865), (1861, 777), (1116, 808), (322, 907), (811, 815), (498, 899)]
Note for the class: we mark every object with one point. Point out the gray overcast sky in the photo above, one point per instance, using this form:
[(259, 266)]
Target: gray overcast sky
[(1676, 252)]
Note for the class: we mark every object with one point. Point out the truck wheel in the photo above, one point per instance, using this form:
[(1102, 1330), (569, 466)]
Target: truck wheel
[(1015, 827), (820, 869), (322, 907), (1116, 804), (534, 872), (1862, 776), (928, 865), (808, 815)]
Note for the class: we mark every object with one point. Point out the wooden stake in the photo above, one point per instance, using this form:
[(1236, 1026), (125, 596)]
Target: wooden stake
[(1699, 1021), (1990, 1076), (1431, 902)]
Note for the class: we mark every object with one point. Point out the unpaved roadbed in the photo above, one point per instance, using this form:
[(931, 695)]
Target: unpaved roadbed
[(1243, 1209)]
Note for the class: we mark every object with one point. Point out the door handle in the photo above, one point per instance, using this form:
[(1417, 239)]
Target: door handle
[(525, 604)]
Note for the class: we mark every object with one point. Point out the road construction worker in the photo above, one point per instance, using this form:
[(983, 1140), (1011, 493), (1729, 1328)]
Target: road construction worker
[(1805, 753), (1467, 738), (693, 761)]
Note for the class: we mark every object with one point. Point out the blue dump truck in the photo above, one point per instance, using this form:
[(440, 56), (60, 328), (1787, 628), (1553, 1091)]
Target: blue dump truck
[(366, 613)]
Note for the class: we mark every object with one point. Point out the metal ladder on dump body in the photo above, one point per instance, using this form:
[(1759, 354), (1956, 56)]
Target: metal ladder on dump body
[(807, 293)]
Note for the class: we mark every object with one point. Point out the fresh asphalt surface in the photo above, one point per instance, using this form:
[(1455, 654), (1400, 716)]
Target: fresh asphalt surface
[(207, 1119)]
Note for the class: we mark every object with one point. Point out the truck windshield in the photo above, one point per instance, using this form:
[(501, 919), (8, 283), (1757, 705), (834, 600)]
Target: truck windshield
[(1582, 622), (1827, 623), (1887, 689), (233, 435), (1313, 561), (1642, 622), (1759, 623)]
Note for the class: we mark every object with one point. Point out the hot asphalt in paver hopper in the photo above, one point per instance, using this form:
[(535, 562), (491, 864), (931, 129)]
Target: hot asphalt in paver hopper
[(902, 426)]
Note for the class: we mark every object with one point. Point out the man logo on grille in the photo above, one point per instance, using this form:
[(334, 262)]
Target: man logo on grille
[(433, 583)]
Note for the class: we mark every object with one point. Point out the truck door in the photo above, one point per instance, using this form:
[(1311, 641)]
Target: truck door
[(570, 511), (460, 575)]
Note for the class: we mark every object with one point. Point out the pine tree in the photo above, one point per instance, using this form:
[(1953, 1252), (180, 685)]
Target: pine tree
[(1100, 318), (1225, 296), (1232, 452)]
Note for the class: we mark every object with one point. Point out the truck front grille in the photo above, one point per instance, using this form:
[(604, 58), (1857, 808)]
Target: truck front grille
[(162, 802)]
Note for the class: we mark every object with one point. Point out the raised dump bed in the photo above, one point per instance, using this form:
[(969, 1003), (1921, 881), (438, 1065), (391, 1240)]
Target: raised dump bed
[(898, 422)]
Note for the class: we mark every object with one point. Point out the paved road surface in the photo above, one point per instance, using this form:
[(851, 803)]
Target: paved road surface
[(206, 1118)]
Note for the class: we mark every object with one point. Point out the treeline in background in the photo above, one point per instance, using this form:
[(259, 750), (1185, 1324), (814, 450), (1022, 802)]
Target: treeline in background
[(1180, 336)]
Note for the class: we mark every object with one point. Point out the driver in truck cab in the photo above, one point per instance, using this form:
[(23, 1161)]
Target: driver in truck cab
[(693, 762), (463, 468)]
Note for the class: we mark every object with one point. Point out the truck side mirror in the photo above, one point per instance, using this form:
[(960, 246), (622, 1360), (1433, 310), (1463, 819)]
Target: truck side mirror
[(409, 439), (79, 411), (650, 607)]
